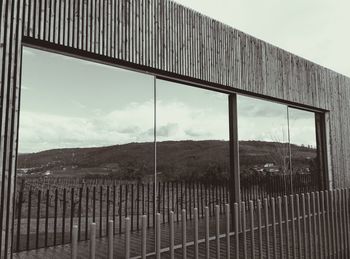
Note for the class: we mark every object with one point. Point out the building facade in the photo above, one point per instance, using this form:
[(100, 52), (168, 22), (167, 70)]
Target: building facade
[(170, 42)]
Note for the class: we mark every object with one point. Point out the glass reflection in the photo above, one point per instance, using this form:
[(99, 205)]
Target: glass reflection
[(86, 148), (192, 147), (263, 148), (305, 162)]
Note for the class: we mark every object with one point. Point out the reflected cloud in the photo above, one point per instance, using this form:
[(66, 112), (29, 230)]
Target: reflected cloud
[(196, 133), (167, 130), (267, 121), (252, 107)]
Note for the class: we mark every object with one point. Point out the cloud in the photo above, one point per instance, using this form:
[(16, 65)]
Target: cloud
[(167, 130), (252, 107), (185, 122)]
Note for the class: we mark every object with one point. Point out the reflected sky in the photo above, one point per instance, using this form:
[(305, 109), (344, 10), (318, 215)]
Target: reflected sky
[(261, 120), (190, 113), (268, 121), (69, 102), (302, 127)]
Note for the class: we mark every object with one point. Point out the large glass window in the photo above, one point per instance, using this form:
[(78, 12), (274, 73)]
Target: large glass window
[(192, 147), (305, 162), (278, 149), (100, 143), (86, 145), (263, 147)]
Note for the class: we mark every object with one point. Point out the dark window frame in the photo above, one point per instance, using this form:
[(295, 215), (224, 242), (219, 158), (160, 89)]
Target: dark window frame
[(232, 93)]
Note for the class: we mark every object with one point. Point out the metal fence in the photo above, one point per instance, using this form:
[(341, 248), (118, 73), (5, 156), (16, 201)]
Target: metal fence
[(46, 212), (311, 225)]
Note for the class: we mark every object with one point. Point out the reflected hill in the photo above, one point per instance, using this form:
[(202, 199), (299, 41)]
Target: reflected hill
[(177, 160)]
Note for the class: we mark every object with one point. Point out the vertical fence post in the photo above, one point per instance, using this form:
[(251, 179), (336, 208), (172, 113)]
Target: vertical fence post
[(228, 243), (47, 216), (158, 237), (314, 222), (331, 221), (273, 216), (298, 225), (206, 215), (236, 215), (143, 236), (346, 200), (55, 218), (107, 209), (171, 235), (324, 225), (340, 223), (177, 201), (120, 207), (74, 252), (309, 211), (38, 220), (110, 239), (80, 211), (132, 206), (280, 223), (267, 232), (64, 215), (195, 215), (29, 217), (92, 241), (127, 238), (19, 217), (94, 204), (217, 230), (319, 223), (72, 211), (86, 212), (291, 198), (260, 230), (183, 221), (101, 211), (251, 214), (303, 212), (342, 192), (286, 216), (138, 205), (114, 209)]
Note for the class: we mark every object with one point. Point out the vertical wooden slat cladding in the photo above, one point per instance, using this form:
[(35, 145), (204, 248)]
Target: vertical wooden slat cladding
[(164, 35), (110, 25), (10, 43), (56, 18), (80, 33)]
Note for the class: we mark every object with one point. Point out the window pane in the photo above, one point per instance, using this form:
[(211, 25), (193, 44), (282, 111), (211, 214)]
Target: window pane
[(263, 147), (192, 146), (305, 162), (88, 128)]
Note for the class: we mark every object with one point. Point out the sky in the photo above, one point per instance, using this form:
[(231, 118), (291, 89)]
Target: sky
[(317, 30), (68, 102)]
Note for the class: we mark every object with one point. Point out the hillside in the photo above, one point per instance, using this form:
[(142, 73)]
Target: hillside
[(175, 159)]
